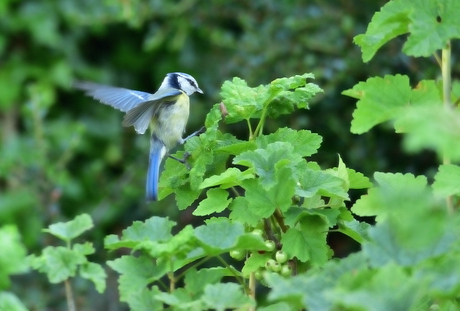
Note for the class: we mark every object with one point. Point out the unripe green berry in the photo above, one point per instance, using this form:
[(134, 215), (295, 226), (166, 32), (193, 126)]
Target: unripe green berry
[(270, 245), (258, 232), (269, 264), (276, 267), (286, 270), (281, 257), (238, 254), (258, 274)]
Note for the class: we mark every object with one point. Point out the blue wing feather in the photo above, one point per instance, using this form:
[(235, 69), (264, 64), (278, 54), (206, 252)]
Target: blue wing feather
[(141, 115), (117, 97)]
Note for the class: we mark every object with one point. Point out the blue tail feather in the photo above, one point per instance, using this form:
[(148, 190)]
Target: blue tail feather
[(157, 152)]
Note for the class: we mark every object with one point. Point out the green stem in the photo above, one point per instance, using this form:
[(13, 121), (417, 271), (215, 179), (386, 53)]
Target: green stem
[(251, 133), (261, 124), (235, 191), (446, 92), (240, 279), (172, 279), (252, 288), (196, 264)]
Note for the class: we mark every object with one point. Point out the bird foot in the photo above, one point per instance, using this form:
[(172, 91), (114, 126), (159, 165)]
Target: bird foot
[(184, 159)]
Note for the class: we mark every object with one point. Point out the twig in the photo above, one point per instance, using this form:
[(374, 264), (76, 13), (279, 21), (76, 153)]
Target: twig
[(69, 295)]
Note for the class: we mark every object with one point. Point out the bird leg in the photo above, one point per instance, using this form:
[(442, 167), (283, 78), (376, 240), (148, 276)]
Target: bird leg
[(187, 154), (200, 131), (183, 160)]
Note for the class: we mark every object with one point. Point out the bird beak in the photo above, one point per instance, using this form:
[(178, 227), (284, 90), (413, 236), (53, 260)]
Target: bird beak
[(199, 90)]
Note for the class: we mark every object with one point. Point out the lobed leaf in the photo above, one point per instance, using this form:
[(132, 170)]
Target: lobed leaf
[(95, 273), (390, 22), (223, 296), (304, 142), (216, 201), (447, 180), (307, 241), (71, 229)]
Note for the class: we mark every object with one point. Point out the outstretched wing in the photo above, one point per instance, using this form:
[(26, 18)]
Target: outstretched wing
[(117, 97), (141, 115)]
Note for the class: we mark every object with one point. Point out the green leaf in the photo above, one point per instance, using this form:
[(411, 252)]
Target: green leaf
[(266, 161), (196, 281), (224, 296), (241, 100), (358, 180), (219, 235), (174, 175), (69, 230), (251, 242), (185, 196), (394, 191), (241, 212), (145, 300), (438, 273), (202, 155), (153, 229), (435, 128), (342, 173), (263, 202), (213, 118), (447, 180), (354, 229), (291, 289), (180, 299), (9, 302), (230, 178), (305, 143), (310, 290), (178, 248), (380, 100), (291, 83), (390, 22), (307, 241), (59, 263), (288, 93), (432, 25), (233, 146), (95, 273), (387, 243), (295, 214), (254, 262), (215, 202), (280, 306), (12, 256), (314, 182), (391, 287), (136, 274)]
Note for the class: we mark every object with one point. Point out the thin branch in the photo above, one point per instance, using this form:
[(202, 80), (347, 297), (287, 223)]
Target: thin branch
[(280, 220), (252, 289), (240, 279), (446, 92), (69, 295)]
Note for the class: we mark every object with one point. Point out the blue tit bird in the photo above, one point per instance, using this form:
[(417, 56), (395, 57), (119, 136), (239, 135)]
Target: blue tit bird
[(166, 112)]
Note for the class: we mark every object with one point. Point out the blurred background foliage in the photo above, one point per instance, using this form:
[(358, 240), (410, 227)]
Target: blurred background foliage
[(63, 154)]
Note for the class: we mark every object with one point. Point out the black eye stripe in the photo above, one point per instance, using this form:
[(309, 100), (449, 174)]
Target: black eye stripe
[(192, 83)]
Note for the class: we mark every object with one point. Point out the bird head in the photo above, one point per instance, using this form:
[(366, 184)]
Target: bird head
[(181, 81)]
